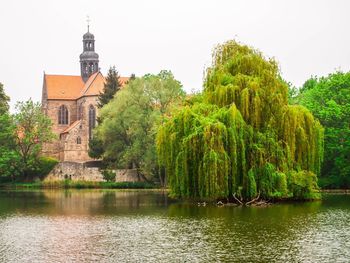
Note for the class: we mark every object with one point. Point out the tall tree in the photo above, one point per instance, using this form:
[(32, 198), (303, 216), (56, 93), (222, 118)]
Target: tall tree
[(33, 128), (328, 98), (111, 87), (4, 100), (132, 77), (130, 120), (241, 139), (8, 156)]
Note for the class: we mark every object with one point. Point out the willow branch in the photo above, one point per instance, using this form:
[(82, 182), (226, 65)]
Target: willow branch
[(255, 199)]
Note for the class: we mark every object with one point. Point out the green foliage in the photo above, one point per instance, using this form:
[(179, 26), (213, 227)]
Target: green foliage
[(130, 120), (4, 99), (9, 158), (272, 183), (111, 87), (240, 137), (95, 148), (108, 175), (45, 165), (328, 98), (21, 139), (251, 185), (33, 129), (303, 185), (40, 167)]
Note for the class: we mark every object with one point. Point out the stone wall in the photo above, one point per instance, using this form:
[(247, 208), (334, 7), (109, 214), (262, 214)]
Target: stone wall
[(81, 172), (71, 149)]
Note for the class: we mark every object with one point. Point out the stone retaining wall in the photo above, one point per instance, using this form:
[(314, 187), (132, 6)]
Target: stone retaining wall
[(81, 172)]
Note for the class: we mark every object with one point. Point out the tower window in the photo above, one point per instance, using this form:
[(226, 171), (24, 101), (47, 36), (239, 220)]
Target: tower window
[(63, 115), (92, 119), (78, 140)]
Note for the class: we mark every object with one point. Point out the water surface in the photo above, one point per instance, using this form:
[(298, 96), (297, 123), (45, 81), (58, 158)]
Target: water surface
[(146, 226)]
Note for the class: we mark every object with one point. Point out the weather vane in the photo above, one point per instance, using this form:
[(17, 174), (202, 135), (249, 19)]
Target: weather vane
[(88, 20)]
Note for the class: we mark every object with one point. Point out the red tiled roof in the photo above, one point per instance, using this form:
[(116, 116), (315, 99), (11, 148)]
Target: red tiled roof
[(66, 87), (63, 86), (94, 85), (71, 126)]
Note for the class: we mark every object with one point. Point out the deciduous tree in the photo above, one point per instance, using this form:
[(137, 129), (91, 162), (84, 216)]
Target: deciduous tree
[(241, 139), (4, 100), (8, 156), (328, 98), (33, 128), (130, 121)]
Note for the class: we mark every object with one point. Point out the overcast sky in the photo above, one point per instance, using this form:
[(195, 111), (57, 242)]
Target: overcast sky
[(306, 37)]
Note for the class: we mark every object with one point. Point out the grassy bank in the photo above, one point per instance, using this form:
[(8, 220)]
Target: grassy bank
[(79, 185), (335, 191)]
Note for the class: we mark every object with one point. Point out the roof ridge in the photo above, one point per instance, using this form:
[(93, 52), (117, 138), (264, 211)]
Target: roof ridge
[(71, 126), (61, 75), (92, 81)]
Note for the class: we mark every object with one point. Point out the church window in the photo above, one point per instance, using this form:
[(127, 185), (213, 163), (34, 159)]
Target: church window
[(78, 140), (92, 119), (63, 115)]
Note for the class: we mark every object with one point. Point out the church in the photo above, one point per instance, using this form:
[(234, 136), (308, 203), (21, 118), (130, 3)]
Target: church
[(71, 103)]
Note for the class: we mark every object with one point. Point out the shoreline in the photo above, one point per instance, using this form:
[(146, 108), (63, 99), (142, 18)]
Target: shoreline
[(335, 191), (68, 184)]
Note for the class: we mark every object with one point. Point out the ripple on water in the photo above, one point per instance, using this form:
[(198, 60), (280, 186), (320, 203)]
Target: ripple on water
[(282, 233)]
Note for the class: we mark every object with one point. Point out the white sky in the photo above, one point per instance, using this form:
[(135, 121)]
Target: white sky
[(306, 37)]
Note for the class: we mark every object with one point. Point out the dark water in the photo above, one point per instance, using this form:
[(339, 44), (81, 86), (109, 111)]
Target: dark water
[(146, 226)]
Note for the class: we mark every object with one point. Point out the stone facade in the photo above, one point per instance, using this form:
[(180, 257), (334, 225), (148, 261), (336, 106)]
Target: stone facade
[(82, 172), (52, 107), (72, 139)]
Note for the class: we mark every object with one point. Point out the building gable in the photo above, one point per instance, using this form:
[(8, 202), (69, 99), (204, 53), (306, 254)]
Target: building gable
[(63, 87)]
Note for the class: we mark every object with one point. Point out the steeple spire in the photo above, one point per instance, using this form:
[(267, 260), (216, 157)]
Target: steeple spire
[(88, 20), (89, 58)]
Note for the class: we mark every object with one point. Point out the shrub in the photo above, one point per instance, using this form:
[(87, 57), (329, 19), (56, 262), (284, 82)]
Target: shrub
[(108, 175), (303, 185), (46, 164)]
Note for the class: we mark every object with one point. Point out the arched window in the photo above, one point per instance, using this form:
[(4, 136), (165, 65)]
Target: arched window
[(78, 140), (92, 120), (63, 115)]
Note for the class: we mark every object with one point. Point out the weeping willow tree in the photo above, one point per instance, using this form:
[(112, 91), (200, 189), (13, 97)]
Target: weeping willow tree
[(241, 139)]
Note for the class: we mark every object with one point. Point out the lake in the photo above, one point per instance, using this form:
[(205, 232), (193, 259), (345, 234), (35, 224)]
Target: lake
[(147, 226)]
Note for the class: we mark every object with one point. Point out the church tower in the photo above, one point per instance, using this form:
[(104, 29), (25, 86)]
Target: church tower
[(89, 58)]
